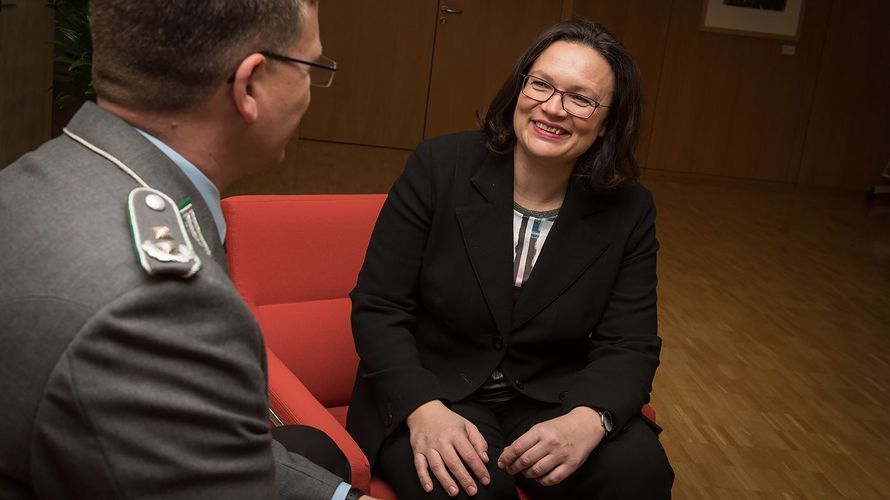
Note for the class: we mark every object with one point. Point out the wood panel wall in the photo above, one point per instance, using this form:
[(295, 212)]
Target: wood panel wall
[(384, 53), (735, 106), (642, 26), (848, 135), (474, 53), (732, 105), (716, 104), (26, 69)]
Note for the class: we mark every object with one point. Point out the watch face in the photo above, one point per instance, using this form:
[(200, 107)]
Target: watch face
[(607, 420)]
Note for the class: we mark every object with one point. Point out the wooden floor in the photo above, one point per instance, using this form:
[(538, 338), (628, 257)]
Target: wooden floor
[(775, 315)]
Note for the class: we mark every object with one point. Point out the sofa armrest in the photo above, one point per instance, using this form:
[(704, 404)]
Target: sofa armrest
[(294, 404), (649, 412)]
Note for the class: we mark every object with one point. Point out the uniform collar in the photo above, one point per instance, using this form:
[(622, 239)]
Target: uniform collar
[(208, 190)]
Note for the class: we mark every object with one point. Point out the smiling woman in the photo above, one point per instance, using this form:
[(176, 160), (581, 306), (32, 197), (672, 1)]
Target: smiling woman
[(609, 163), (487, 371), (547, 134)]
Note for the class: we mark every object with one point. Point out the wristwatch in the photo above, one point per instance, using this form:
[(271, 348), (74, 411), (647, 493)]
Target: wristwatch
[(606, 420), (354, 493)]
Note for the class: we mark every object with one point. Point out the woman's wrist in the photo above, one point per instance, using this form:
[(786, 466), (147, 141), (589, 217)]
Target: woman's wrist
[(421, 410)]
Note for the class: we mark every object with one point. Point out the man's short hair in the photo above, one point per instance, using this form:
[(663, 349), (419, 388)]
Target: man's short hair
[(169, 55)]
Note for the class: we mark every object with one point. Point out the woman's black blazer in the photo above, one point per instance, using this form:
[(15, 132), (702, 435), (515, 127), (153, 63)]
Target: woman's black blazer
[(433, 310)]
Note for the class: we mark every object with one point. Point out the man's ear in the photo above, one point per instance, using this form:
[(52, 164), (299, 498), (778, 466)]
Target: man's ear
[(243, 86)]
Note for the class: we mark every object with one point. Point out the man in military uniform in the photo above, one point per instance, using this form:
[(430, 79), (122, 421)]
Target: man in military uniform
[(129, 366)]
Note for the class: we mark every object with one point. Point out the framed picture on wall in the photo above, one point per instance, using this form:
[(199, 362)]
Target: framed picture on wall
[(761, 18)]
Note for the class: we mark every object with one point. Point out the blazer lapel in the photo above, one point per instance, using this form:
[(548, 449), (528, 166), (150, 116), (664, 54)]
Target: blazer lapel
[(486, 225), (571, 247)]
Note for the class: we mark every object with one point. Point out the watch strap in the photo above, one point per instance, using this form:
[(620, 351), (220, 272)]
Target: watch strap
[(354, 493)]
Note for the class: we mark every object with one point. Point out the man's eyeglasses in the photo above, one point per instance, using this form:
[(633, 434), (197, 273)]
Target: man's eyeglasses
[(575, 104), (321, 72)]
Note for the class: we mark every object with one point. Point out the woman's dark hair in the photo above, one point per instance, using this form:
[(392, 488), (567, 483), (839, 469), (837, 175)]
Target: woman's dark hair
[(609, 163)]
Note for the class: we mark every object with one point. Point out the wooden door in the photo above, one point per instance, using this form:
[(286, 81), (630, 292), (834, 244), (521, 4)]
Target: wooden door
[(383, 51), (26, 53), (475, 49)]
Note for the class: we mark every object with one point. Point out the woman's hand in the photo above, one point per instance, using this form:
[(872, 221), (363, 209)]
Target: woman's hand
[(443, 442), (552, 450)]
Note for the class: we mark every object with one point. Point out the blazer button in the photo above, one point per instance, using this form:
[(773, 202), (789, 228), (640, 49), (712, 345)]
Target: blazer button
[(387, 419), (518, 383), (562, 395), (498, 343), (466, 378)]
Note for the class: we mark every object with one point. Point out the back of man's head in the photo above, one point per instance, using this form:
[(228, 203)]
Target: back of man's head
[(169, 55)]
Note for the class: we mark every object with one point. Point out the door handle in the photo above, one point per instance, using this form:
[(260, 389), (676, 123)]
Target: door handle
[(445, 10)]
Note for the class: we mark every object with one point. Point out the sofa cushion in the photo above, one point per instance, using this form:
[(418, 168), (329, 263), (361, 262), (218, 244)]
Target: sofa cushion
[(314, 340)]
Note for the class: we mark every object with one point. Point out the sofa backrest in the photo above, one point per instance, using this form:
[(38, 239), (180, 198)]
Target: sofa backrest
[(294, 259)]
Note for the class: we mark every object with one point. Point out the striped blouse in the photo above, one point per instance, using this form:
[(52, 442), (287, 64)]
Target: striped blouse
[(530, 229)]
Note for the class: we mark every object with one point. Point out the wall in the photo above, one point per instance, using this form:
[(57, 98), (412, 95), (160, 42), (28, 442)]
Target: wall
[(848, 135), (734, 106), (26, 53), (642, 26), (716, 104), (417, 72)]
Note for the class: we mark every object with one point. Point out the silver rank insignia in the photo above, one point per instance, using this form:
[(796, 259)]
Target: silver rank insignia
[(162, 243), (187, 210)]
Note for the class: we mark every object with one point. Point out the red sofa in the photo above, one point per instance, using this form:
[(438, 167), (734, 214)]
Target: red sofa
[(294, 259)]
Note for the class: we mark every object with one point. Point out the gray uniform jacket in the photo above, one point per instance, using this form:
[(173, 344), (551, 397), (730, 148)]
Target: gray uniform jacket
[(115, 383)]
